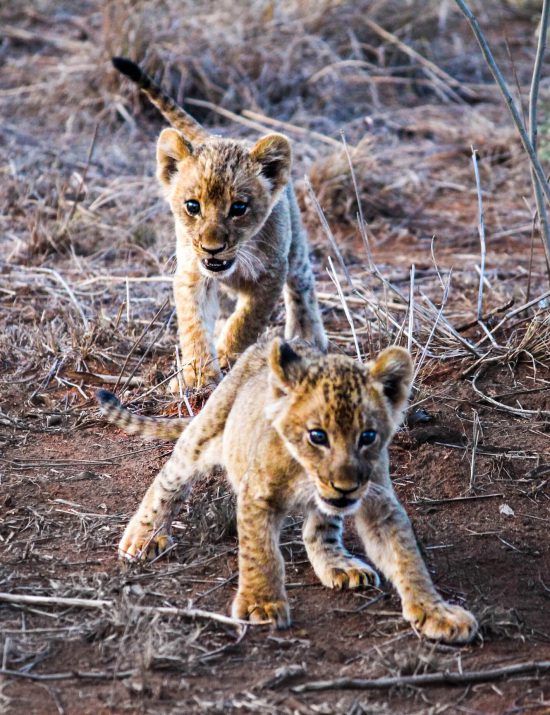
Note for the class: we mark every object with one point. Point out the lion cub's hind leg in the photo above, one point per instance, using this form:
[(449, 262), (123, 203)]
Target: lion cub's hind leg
[(334, 566), (148, 532)]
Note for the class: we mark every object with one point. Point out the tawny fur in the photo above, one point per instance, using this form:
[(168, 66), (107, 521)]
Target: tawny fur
[(257, 425), (258, 255), (148, 427)]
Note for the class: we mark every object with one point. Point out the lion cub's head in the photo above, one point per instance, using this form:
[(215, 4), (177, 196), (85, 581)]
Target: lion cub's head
[(221, 193), (337, 417)]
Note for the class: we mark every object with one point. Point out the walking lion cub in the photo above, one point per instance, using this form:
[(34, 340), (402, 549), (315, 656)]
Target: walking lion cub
[(293, 427), (237, 225)]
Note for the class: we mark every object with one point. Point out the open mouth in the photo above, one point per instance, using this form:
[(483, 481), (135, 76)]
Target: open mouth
[(340, 502), (216, 264)]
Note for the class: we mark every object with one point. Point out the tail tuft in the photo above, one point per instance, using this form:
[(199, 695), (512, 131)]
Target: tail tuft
[(128, 68), (104, 397)]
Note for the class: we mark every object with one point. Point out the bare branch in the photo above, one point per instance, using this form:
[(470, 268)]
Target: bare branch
[(427, 679)]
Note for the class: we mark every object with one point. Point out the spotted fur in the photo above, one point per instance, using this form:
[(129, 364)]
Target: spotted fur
[(258, 255), (257, 425)]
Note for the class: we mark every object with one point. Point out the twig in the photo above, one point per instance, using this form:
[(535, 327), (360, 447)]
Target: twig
[(82, 180), (481, 230), (499, 78), (326, 228), (334, 277), (59, 278), (422, 357), (433, 69), (361, 220), (514, 410), (533, 129), (138, 341), (411, 309), (427, 679), (476, 429), (98, 604), (287, 126), (86, 675), (455, 499)]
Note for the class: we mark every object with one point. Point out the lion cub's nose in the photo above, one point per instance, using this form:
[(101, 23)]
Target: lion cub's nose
[(212, 250), (346, 488)]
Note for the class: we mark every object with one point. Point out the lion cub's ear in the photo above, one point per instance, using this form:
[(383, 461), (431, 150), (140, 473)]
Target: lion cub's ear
[(172, 147), (286, 366), (274, 155), (393, 369)]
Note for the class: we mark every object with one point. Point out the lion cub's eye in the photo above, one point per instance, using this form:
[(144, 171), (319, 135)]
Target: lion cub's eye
[(318, 436), (367, 437), (192, 207), (237, 208)]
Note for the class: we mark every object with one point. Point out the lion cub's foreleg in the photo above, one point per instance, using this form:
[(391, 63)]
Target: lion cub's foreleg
[(391, 545), (251, 316), (197, 309), (334, 566), (261, 595)]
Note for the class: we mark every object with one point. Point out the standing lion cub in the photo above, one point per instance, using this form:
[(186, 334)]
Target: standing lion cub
[(237, 223), (293, 427)]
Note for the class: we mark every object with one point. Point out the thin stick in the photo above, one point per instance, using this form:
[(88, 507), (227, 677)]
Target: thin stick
[(98, 604), (361, 221), (427, 679), (420, 361), (476, 429), (432, 68), (59, 278), (82, 180), (499, 78), (334, 277), (287, 126), (326, 228), (127, 301), (533, 128), (138, 341), (450, 500), (86, 675), (481, 230), (411, 310), (520, 412)]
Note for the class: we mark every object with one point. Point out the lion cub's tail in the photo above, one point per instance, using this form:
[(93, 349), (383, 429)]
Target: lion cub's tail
[(152, 427), (168, 107)]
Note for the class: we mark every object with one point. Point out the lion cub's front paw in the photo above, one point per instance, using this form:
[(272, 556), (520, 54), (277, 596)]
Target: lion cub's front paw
[(442, 621), (192, 378), (226, 358), (139, 543), (348, 577), (256, 611)]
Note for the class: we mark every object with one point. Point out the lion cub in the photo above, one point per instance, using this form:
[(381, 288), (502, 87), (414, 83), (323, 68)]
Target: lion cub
[(237, 224), (295, 428)]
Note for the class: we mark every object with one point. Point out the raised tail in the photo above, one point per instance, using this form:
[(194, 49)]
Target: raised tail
[(168, 107), (149, 427)]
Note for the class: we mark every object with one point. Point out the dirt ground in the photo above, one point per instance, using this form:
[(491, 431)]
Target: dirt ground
[(86, 255)]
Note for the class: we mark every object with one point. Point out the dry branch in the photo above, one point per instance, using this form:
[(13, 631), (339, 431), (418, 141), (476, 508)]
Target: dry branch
[(520, 126), (98, 604), (533, 127), (428, 679), (481, 230)]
